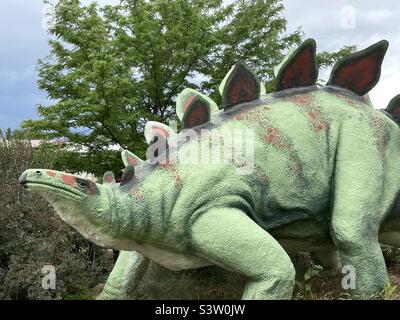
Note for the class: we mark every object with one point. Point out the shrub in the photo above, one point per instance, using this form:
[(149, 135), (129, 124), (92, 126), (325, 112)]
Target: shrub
[(32, 235)]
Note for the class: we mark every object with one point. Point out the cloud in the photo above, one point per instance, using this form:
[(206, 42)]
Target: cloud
[(11, 78), (328, 23), (379, 16), (23, 42)]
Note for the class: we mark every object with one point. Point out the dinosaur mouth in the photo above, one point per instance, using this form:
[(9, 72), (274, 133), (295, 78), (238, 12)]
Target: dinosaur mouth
[(51, 187)]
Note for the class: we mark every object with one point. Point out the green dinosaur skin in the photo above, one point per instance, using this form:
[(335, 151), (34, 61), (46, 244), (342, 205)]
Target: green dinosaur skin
[(326, 177)]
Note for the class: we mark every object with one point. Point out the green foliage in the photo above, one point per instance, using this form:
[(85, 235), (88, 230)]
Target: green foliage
[(326, 59), (391, 254), (32, 235), (390, 292), (78, 162), (305, 286)]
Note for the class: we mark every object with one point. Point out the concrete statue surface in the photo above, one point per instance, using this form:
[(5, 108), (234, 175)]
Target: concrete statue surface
[(311, 168)]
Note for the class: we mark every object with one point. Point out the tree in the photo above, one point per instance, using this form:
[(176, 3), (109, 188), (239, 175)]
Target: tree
[(111, 69)]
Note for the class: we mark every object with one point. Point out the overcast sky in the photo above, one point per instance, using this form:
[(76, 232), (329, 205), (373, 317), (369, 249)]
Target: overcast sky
[(332, 23)]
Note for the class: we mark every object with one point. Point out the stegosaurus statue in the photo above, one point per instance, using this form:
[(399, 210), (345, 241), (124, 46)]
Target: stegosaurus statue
[(323, 176)]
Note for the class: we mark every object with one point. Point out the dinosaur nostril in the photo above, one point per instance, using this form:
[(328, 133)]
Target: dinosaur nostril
[(38, 173)]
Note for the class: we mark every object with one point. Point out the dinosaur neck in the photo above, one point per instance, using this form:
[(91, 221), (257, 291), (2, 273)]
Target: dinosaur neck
[(126, 216), (140, 211), (157, 194)]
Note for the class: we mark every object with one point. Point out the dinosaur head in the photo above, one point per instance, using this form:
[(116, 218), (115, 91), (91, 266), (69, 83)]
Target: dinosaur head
[(59, 186), (82, 203)]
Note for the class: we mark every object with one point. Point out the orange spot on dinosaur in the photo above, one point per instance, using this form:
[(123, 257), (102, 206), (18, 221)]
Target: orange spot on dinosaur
[(51, 174), (70, 180), (161, 132), (187, 103), (312, 114), (239, 117), (132, 161)]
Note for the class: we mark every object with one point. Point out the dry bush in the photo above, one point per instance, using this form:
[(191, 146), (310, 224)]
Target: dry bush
[(32, 235)]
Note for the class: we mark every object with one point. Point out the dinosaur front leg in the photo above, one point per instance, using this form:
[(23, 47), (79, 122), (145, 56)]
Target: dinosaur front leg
[(125, 277), (230, 239)]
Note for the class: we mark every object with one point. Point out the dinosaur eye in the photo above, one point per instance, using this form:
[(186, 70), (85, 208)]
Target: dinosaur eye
[(82, 184)]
